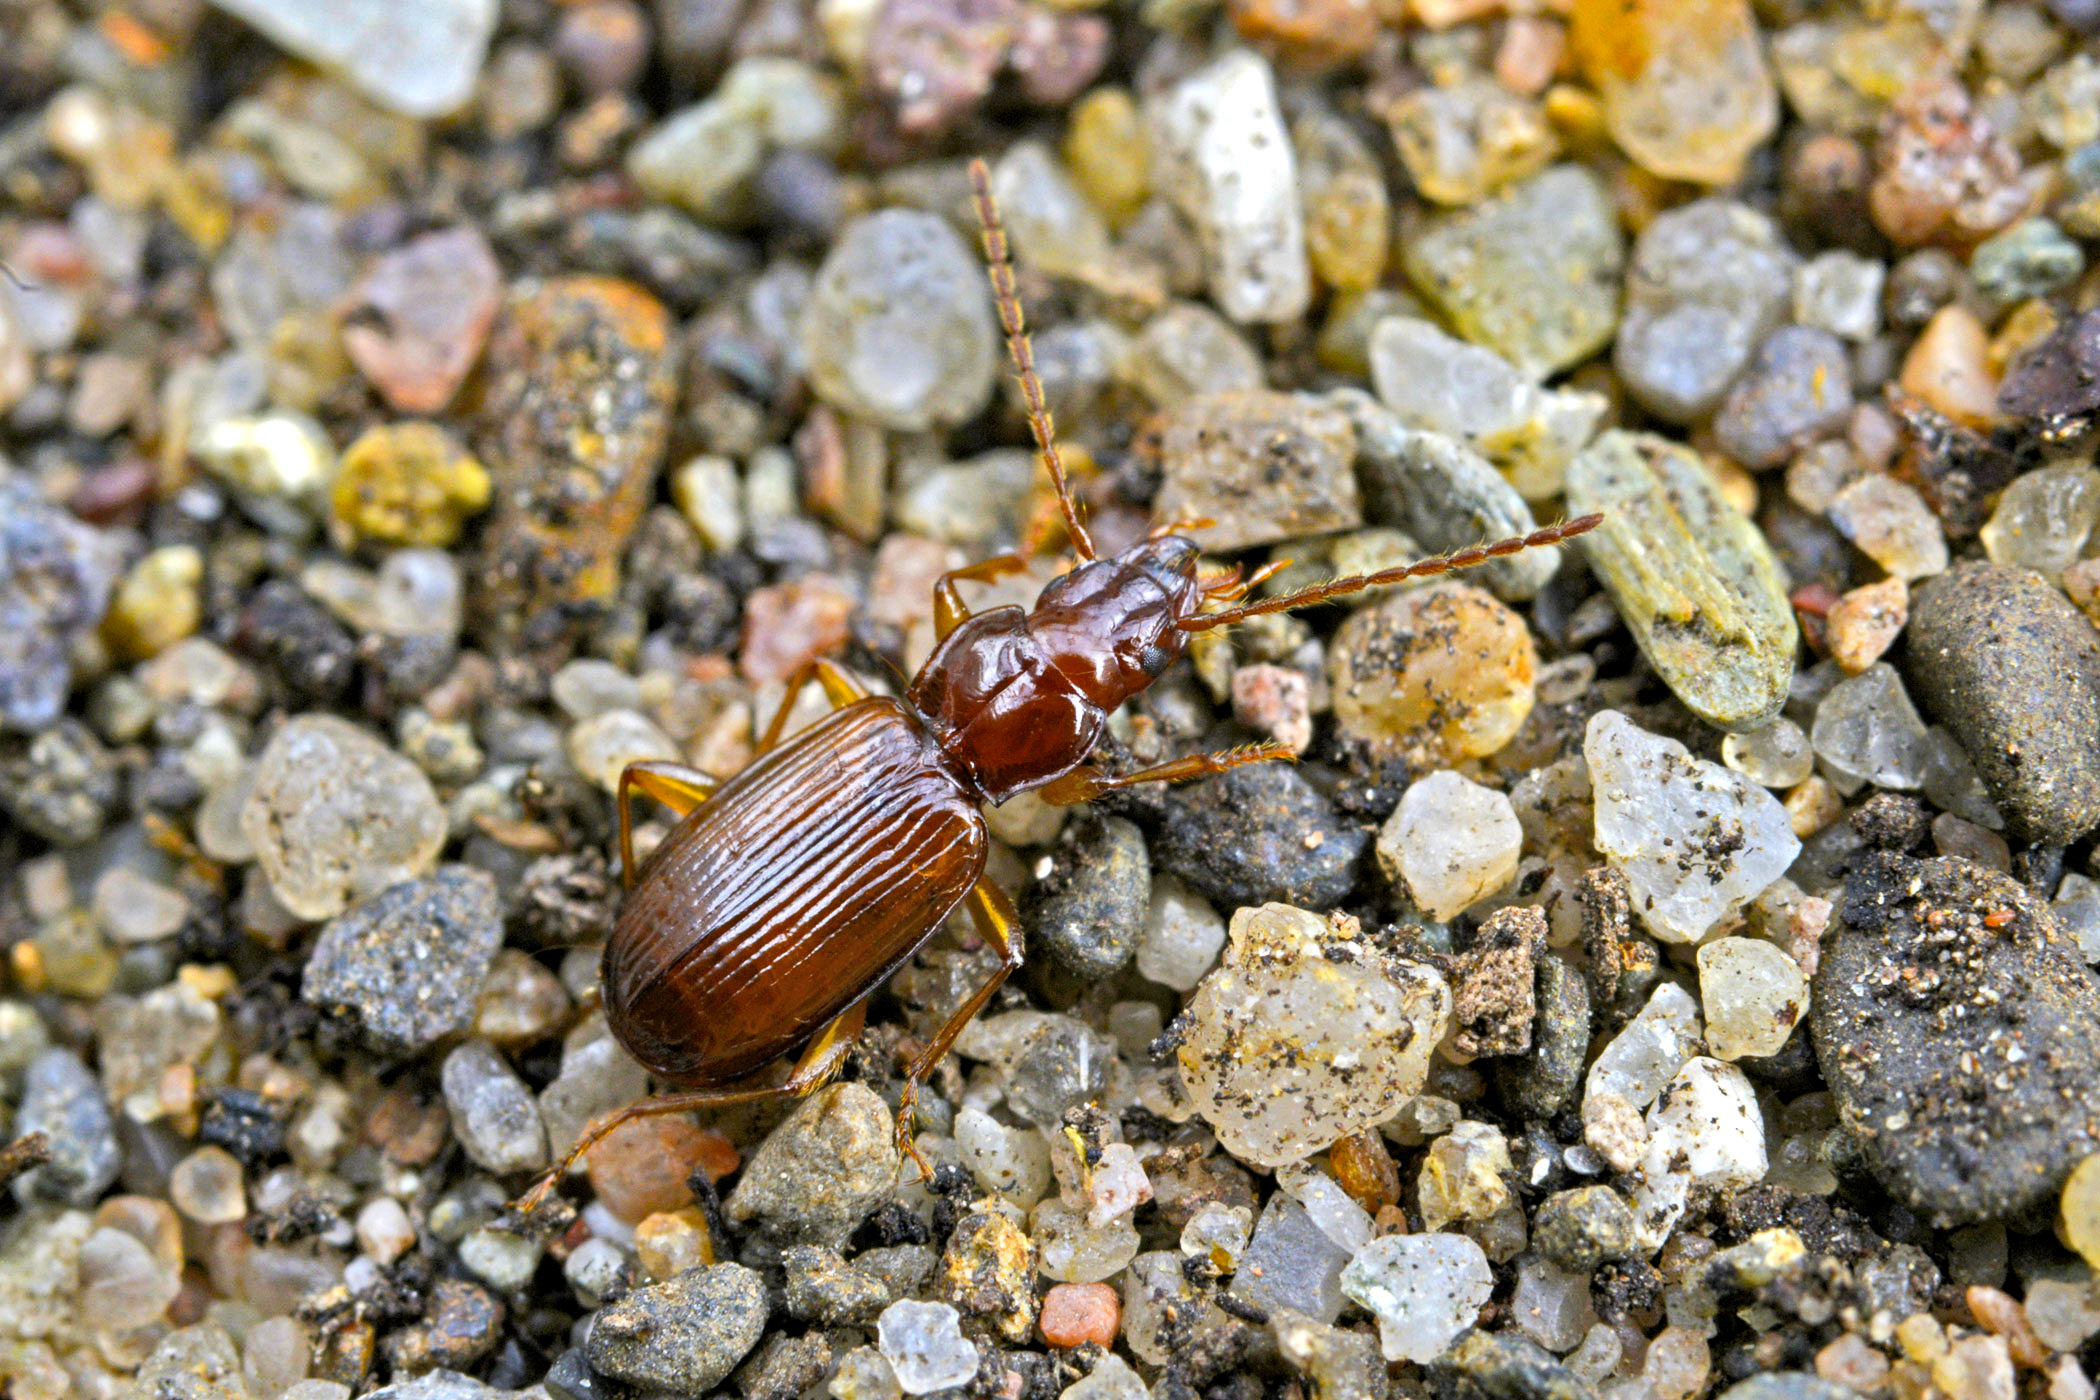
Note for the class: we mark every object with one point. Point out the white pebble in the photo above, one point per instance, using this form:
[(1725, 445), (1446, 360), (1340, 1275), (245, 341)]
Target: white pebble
[(1227, 161), (924, 1344), (1423, 1289), (1450, 842), (1181, 936), (1754, 994), (1694, 840), (384, 1230)]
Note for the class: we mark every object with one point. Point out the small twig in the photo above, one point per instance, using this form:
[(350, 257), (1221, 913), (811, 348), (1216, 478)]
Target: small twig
[(24, 1153)]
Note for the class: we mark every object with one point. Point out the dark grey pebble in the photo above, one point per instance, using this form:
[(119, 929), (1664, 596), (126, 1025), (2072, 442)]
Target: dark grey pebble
[(62, 1100), (406, 966), (785, 1367), (1953, 1018), (683, 1335), (2058, 381), (1503, 1366), (1543, 1082), (1798, 385), (1085, 911), (1582, 1228), (1259, 834), (2013, 670), (571, 1378), (821, 1287), (56, 576), (61, 784)]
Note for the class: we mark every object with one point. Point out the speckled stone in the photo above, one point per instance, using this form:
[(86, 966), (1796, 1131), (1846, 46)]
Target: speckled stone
[(1258, 835), (1532, 273), (406, 965), (1692, 576), (1086, 909), (2012, 669), (683, 1335), (581, 388), (1259, 466), (1920, 1001), (817, 1174)]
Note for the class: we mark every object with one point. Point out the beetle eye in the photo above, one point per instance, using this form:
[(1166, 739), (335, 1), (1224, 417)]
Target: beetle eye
[(1154, 660)]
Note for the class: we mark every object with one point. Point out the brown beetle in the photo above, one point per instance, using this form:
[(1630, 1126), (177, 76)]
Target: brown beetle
[(782, 900)]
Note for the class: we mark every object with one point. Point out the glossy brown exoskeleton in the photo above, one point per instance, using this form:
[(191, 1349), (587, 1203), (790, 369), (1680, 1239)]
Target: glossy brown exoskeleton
[(785, 897)]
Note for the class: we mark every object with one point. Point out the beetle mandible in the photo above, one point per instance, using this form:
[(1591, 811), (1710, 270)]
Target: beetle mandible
[(786, 896)]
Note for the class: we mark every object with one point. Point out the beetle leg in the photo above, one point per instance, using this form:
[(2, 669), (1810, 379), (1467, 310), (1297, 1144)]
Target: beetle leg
[(1086, 784), (1000, 926), (949, 610), (676, 786), (838, 685), (820, 1060)]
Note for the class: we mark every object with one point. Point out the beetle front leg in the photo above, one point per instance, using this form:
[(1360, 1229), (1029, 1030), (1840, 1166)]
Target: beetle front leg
[(676, 786), (1000, 926), (949, 610)]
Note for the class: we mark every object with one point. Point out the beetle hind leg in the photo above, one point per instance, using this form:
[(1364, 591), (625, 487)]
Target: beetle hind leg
[(819, 1060), (1000, 927)]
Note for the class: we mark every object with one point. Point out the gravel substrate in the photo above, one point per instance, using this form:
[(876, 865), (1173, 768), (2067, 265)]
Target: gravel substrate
[(1666, 969)]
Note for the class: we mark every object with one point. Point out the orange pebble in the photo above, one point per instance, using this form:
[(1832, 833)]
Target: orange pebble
[(642, 1166), (1077, 1313)]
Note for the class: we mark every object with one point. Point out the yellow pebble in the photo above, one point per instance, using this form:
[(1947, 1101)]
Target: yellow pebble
[(672, 1241), (2080, 1210), (1109, 154), (157, 604), (408, 483)]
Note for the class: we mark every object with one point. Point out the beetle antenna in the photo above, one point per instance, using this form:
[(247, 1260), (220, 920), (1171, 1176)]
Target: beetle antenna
[(1467, 558), (1000, 265)]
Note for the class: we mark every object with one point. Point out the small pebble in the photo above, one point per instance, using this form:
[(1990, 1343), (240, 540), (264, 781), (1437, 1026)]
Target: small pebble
[(924, 1344), (493, 1115), (1797, 386), (1423, 1289), (1690, 574), (336, 816), (1222, 155), (818, 1173), (1450, 843), (1074, 1314), (899, 328), (406, 966), (2023, 707), (1752, 993), (1287, 1050), (1435, 674), (1892, 525), (684, 1335), (1694, 840), (1894, 1064)]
